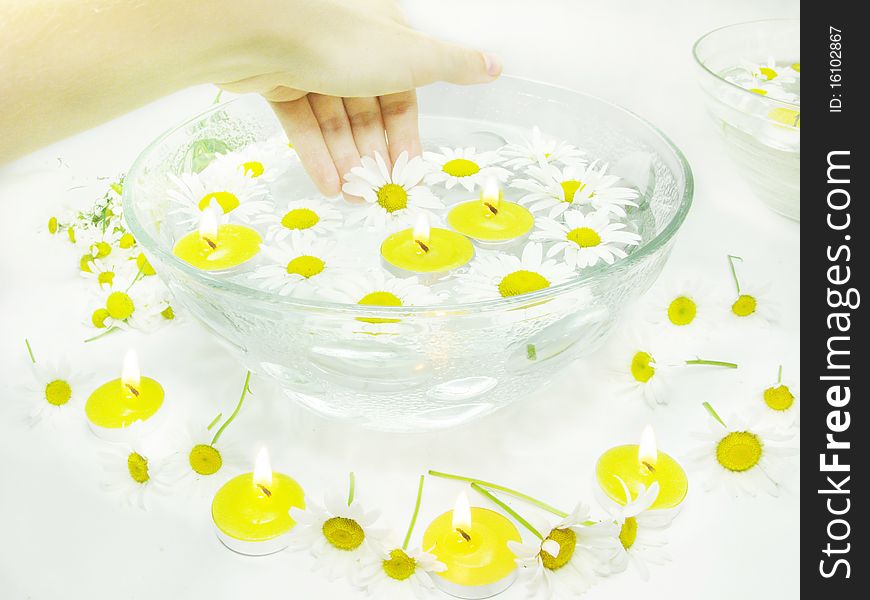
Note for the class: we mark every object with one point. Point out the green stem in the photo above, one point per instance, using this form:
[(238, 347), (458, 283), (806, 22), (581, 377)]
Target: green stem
[(714, 414), (135, 279), (501, 488), (416, 512), (33, 359), (351, 488), (214, 421), (245, 390), (779, 376), (731, 259), (476, 487), (217, 98), (713, 363), (105, 333)]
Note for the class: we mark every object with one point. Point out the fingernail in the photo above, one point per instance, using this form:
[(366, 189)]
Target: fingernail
[(492, 64)]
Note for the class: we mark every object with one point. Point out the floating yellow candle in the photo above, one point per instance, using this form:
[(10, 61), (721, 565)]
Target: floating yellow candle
[(216, 247), (251, 512), (121, 403), (472, 544), (641, 465), (490, 221), (424, 250)]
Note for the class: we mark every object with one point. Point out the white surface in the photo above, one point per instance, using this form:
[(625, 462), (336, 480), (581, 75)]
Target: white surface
[(63, 537)]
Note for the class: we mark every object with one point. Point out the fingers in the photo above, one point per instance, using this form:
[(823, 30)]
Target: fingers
[(367, 125), (335, 127), (304, 133), (400, 121), (435, 60)]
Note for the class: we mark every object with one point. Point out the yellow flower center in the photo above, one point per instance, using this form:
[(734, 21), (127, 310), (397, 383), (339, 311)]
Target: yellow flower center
[(145, 266), (137, 465), (300, 218), (119, 306), (399, 566), (52, 225), (641, 367), (570, 188), (628, 533), (739, 451), (461, 167), (768, 73), (744, 306), (127, 241), (167, 313), (567, 540), (522, 282), (101, 249), (227, 201), (205, 459), (85, 263), (797, 67), (682, 310), (758, 91), (343, 533), (779, 397), (106, 278), (379, 299), (306, 266), (392, 197), (585, 237), (786, 116), (253, 169), (98, 318), (58, 392)]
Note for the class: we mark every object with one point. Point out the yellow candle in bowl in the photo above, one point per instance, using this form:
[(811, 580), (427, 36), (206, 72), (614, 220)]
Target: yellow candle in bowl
[(426, 251), (217, 247), (251, 512), (121, 403), (472, 544), (640, 465), (490, 221)]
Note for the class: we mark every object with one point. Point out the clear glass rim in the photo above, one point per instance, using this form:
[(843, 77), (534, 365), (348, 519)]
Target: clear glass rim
[(706, 69), (497, 304)]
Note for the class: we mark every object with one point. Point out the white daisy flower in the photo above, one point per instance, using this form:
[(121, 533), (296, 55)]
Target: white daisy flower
[(584, 239), (574, 186), (101, 273), (133, 472), (641, 531), (224, 188), (685, 304), (300, 262), (340, 535), (769, 71), (745, 459), (570, 558), (55, 387), (394, 572), (463, 166), (780, 404), (505, 275), (390, 196), (265, 161), (376, 288), (643, 368), (753, 300), (140, 306), (540, 151), (201, 463), (773, 90), (308, 217)]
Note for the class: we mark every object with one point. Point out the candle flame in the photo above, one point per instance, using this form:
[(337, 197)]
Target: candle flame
[(462, 515), (131, 378), (491, 196), (647, 453), (208, 227), (263, 472), (421, 233)]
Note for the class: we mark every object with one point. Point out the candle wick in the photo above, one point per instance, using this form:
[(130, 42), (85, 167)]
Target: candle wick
[(492, 208), (464, 535), (651, 468), (423, 246), (211, 244), (133, 390), (265, 490)]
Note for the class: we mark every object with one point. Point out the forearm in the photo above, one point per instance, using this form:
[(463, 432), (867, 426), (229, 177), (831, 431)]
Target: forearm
[(66, 65)]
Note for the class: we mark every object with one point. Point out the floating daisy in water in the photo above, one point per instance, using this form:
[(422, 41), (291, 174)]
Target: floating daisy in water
[(299, 262), (393, 571), (134, 473), (584, 239), (780, 403), (308, 217), (375, 288), (339, 535), (753, 302), (574, 186), (504, 275), (55, 386), (773, 90), (264, 161), (684, 304), (463, 166), (641, 531), (226, 189), (540, 151), (769, 71), (390, 196), (743, 458)]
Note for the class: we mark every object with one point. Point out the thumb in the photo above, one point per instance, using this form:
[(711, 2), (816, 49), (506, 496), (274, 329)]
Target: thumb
[(437, 60)]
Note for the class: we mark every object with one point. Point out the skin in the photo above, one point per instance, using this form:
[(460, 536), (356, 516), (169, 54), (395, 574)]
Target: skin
[(339, 74)]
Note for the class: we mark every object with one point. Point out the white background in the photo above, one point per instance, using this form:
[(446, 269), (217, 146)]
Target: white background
[(63, 537)]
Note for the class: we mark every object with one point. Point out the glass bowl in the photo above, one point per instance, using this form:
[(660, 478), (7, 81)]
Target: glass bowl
[(765, 145), (417, 368)]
